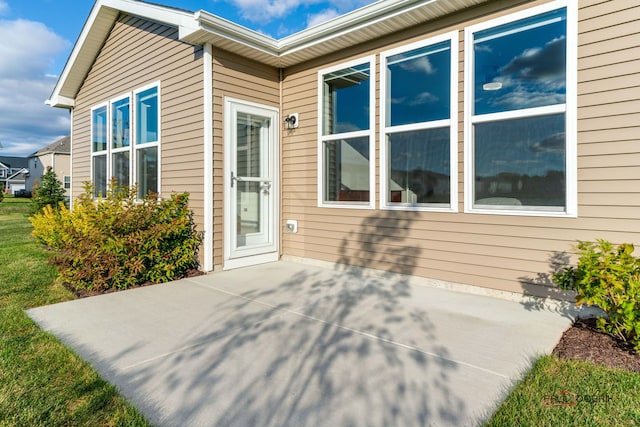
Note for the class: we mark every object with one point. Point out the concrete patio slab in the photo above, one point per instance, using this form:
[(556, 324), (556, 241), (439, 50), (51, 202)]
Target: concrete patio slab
[(287, 344)]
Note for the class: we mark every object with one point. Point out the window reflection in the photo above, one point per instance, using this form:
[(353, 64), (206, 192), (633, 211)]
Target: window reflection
[(521, 64), (419, 170), (419, 88), (521, 162), (346, 100), (120, 122), (347, 170)]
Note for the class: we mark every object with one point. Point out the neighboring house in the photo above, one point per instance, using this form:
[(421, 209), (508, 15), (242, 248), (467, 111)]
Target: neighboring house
[(13, 173), (468, 142), (57, 155)]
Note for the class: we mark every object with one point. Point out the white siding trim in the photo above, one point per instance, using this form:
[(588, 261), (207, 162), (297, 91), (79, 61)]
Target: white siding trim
[(71, 113), (208, 157)]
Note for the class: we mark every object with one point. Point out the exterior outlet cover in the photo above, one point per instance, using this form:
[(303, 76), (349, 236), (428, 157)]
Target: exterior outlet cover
[(292, 226)]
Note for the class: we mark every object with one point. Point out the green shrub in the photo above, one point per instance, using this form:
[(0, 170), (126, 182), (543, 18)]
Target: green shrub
[(49, 193), (607, 277), (1, 194), (118, 242)]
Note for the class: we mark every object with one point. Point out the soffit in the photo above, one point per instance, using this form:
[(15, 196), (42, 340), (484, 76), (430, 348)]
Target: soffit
[(368, 23), (101, 19)]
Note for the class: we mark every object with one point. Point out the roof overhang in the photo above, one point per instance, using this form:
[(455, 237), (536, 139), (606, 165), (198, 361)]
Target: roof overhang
[(22, 171), (96, 29), (365, 24)]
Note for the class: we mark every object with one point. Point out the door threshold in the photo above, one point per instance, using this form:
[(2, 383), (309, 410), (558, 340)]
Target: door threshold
[(248, 261)]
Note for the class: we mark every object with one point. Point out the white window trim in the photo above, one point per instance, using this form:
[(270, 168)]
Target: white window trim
[(569, 108), (371, 59), (128, 148), (133, 146), (157, 143), (452, 122), (103, 152)]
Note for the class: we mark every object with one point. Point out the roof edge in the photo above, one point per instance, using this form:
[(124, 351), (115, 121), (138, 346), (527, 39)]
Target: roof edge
[(101, 19), (350, 21)]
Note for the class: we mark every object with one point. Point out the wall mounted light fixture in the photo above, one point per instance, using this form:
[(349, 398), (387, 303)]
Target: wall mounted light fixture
[(291, 121)]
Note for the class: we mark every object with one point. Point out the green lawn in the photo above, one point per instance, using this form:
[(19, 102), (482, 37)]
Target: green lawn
[(42, 383), (557, 392)]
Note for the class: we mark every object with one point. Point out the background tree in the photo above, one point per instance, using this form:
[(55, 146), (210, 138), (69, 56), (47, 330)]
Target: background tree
[(50, 192)]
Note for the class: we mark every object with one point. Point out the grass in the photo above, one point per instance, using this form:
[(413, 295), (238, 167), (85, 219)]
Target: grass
[(42, 383), (559, 392)]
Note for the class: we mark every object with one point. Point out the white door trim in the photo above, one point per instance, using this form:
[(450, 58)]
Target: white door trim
[(271, 252)]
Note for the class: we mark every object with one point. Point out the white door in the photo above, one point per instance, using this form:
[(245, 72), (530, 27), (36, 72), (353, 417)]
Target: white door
[(251, 232)]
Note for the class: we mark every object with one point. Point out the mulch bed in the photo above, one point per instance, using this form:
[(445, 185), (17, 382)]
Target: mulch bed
[(84, 293), (584, 342)]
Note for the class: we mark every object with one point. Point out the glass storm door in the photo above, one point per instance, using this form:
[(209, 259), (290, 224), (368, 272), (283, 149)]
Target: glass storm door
[(251, 181)]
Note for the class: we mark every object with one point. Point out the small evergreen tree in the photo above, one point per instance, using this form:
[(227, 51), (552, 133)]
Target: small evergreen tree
[(50, 192)]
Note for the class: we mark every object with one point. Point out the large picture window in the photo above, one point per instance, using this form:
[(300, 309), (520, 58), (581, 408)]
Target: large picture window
[(419, 129), (346, 151), (519, 110), (125, 135)]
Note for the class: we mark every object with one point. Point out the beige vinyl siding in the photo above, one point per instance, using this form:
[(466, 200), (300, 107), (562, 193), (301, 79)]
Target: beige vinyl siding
[(241, 78), (514, 253), (136, 53)]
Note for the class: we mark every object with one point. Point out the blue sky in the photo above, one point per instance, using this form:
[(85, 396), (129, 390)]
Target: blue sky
[(36, 37)]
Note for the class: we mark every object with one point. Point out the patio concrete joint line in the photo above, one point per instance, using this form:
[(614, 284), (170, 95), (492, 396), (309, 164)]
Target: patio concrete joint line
[(355, 331)]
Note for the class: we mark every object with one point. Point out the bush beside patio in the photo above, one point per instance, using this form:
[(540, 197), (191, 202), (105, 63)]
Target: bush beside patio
[(118, 242)]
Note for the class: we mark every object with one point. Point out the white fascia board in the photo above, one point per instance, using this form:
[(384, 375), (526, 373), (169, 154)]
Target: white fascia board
[(60, 102), (221, 27), (318, 34), (347, 23), (100, 21), (211, 27), (20, 172), (162, 14)]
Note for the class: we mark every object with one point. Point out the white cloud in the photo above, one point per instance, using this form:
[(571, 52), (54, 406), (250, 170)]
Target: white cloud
[(27, 53), (521, 97), (424, 98), (319, 18), (422, 65), (267, 10), (28, 48)]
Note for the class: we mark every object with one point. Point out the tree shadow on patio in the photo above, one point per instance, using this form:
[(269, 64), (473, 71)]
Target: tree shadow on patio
[(312, 348)]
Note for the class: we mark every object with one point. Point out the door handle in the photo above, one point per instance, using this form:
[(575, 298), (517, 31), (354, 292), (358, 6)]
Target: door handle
[(234, 179)]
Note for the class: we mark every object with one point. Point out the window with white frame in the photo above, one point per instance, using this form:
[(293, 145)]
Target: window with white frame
[(125, 141), (99, 150), (66, 181), (419, 127), (520, 112), (346, 150), (146, 141), (120, 140)]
